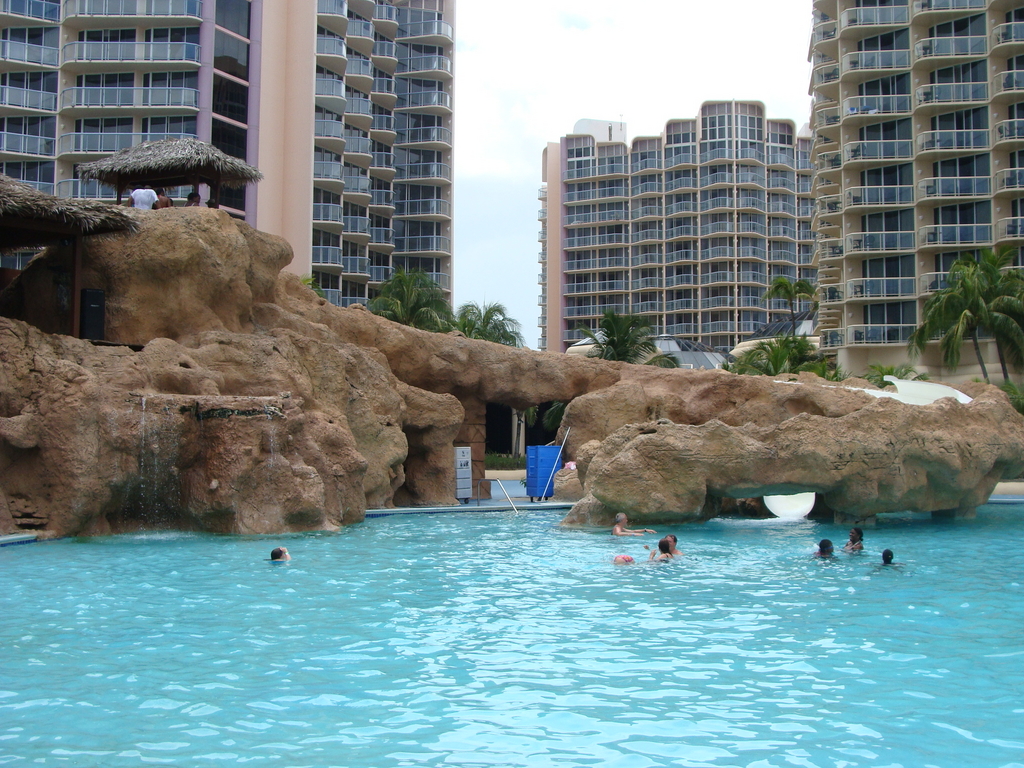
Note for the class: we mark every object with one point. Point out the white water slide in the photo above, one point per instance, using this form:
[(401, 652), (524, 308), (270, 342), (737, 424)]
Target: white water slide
[(796, 506)]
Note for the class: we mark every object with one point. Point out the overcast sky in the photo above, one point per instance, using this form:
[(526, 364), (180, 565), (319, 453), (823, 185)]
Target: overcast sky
[(525, 72)]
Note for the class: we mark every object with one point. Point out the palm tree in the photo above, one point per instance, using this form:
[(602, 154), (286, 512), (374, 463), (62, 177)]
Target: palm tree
[(773, 357), (979, 297), (490, 322), (413, 299), (626, 338), (791, 292), (877, 372)]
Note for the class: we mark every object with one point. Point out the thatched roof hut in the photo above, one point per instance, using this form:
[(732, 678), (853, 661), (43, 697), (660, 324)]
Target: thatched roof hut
[(171, 163), (30, 218)]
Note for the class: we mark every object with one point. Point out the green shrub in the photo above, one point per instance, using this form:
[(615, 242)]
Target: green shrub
[(504, 461)]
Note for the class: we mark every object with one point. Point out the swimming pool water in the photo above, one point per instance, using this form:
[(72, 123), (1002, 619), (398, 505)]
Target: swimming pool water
[(496, 639)]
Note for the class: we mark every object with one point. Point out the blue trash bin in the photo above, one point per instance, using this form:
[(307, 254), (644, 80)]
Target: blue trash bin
[(542, 461)]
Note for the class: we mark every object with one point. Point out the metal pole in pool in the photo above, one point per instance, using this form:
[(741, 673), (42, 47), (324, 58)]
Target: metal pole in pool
[(502, 486), (558, 457)]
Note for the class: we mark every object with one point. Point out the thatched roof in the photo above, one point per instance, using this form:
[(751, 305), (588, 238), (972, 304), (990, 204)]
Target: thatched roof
[(30, 218), (170, 163)]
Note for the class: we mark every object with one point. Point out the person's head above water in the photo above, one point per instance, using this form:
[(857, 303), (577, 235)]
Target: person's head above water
[(621, 519), (665, 546), (280, 553), (825, 547), (887, 556), (673, 538), (856, 534)]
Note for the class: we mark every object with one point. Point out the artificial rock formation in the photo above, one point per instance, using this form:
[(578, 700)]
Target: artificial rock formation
[(234, 399)]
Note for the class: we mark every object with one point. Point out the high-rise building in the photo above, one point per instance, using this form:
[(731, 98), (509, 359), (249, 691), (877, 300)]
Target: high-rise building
[(686, 229), (919, 155), (345, 105)]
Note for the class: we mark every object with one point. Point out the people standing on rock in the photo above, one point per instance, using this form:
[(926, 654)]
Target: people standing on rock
[(162, 200), (280, 554), (824, 548), (143, 198), (193, 200), (856, 542), (620, 529)]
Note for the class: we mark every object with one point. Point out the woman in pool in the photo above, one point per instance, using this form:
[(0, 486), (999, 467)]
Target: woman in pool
[(856, 542), (824, 548), (623, 560), (664, 550)]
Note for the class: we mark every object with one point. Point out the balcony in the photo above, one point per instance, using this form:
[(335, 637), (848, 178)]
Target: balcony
[(435, 66), (879, 334), (645, 211), (385, 123), (1010, 229), (874, 242), (88, 143), (932, 282), (380, 274), (330, 93), (680, 279), (952, 141), (605, 262), (332, 255), (955, 186), (877, 150), (29, 10), (869, 106), (721, 326), (1005, 34), (333, 296), (14, 52), (146, 53), (891, 16), (432, 102), (830, 294), (354, 225), (354, 145), (1009, 179), (718, 301), (604, 286), (90, 98), (879, 196), (830, 161), (827, 118), (681, 305), (881, 287), (681, 182), (870, 62), (23, 98), (647, 234), (930, 7), (757, 278), (717, 277), (328, 170), (382, 198), (687, 231), (327, 213), (646, 164), (91, 13), (355, 183), (933, 49), (428, 32), (333, 47), (384, 49), (647, 284), (682, 329), (429, 243), (1008, 132), (21, 144), (1008, 83), (439, 171), (955, 234), (952, 93)]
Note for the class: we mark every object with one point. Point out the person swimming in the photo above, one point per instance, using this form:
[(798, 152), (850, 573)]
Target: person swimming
[(623, 560), (887, 557), (280, 555), (856, 542), (620, 529), (824, 548), (664, 550), (673, 540)]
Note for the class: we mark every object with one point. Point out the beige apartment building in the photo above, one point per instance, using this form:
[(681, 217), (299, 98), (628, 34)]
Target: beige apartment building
[(345, 105), (687, 228), (919, 159)]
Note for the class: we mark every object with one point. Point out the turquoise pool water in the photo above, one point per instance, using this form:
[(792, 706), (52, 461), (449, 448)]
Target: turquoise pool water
[(494, 639)]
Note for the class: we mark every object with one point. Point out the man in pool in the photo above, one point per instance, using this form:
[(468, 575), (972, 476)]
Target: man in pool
[(280, 554), (620, 529), (887, 557)]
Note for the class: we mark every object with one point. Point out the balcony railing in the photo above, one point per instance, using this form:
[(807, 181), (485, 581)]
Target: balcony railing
[(830, 294), (431, 135), (956, 186), (873, 17), (332, 7), (350, 265), (952, 140), (82, 52), (936, 47), (1009, 178), (721, 326), (327, 212), (879, 241), (425, 99), (384, 49), (424, 171), (879, 334), (186, 98), (861, 60), (672, 281), (414, 64), (425, 29), (880, 196), (832, 339), (423, 208), (717, 277), (23, 144), (878, 150), (32, 9), (1010, 229), (876, 105), (28, 53), (327, 45), (431, 243), (139, 8), (881, 287), (604, 286), (924, 6), (109, 142), (1008, 82), (952, 93), (956, 234), (1008, 33), (25, 98), (333, 295)]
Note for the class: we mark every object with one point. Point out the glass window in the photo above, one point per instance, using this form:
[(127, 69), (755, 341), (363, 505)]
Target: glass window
[(229, 139), (231, 55), (230, 99), (234, 15)]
